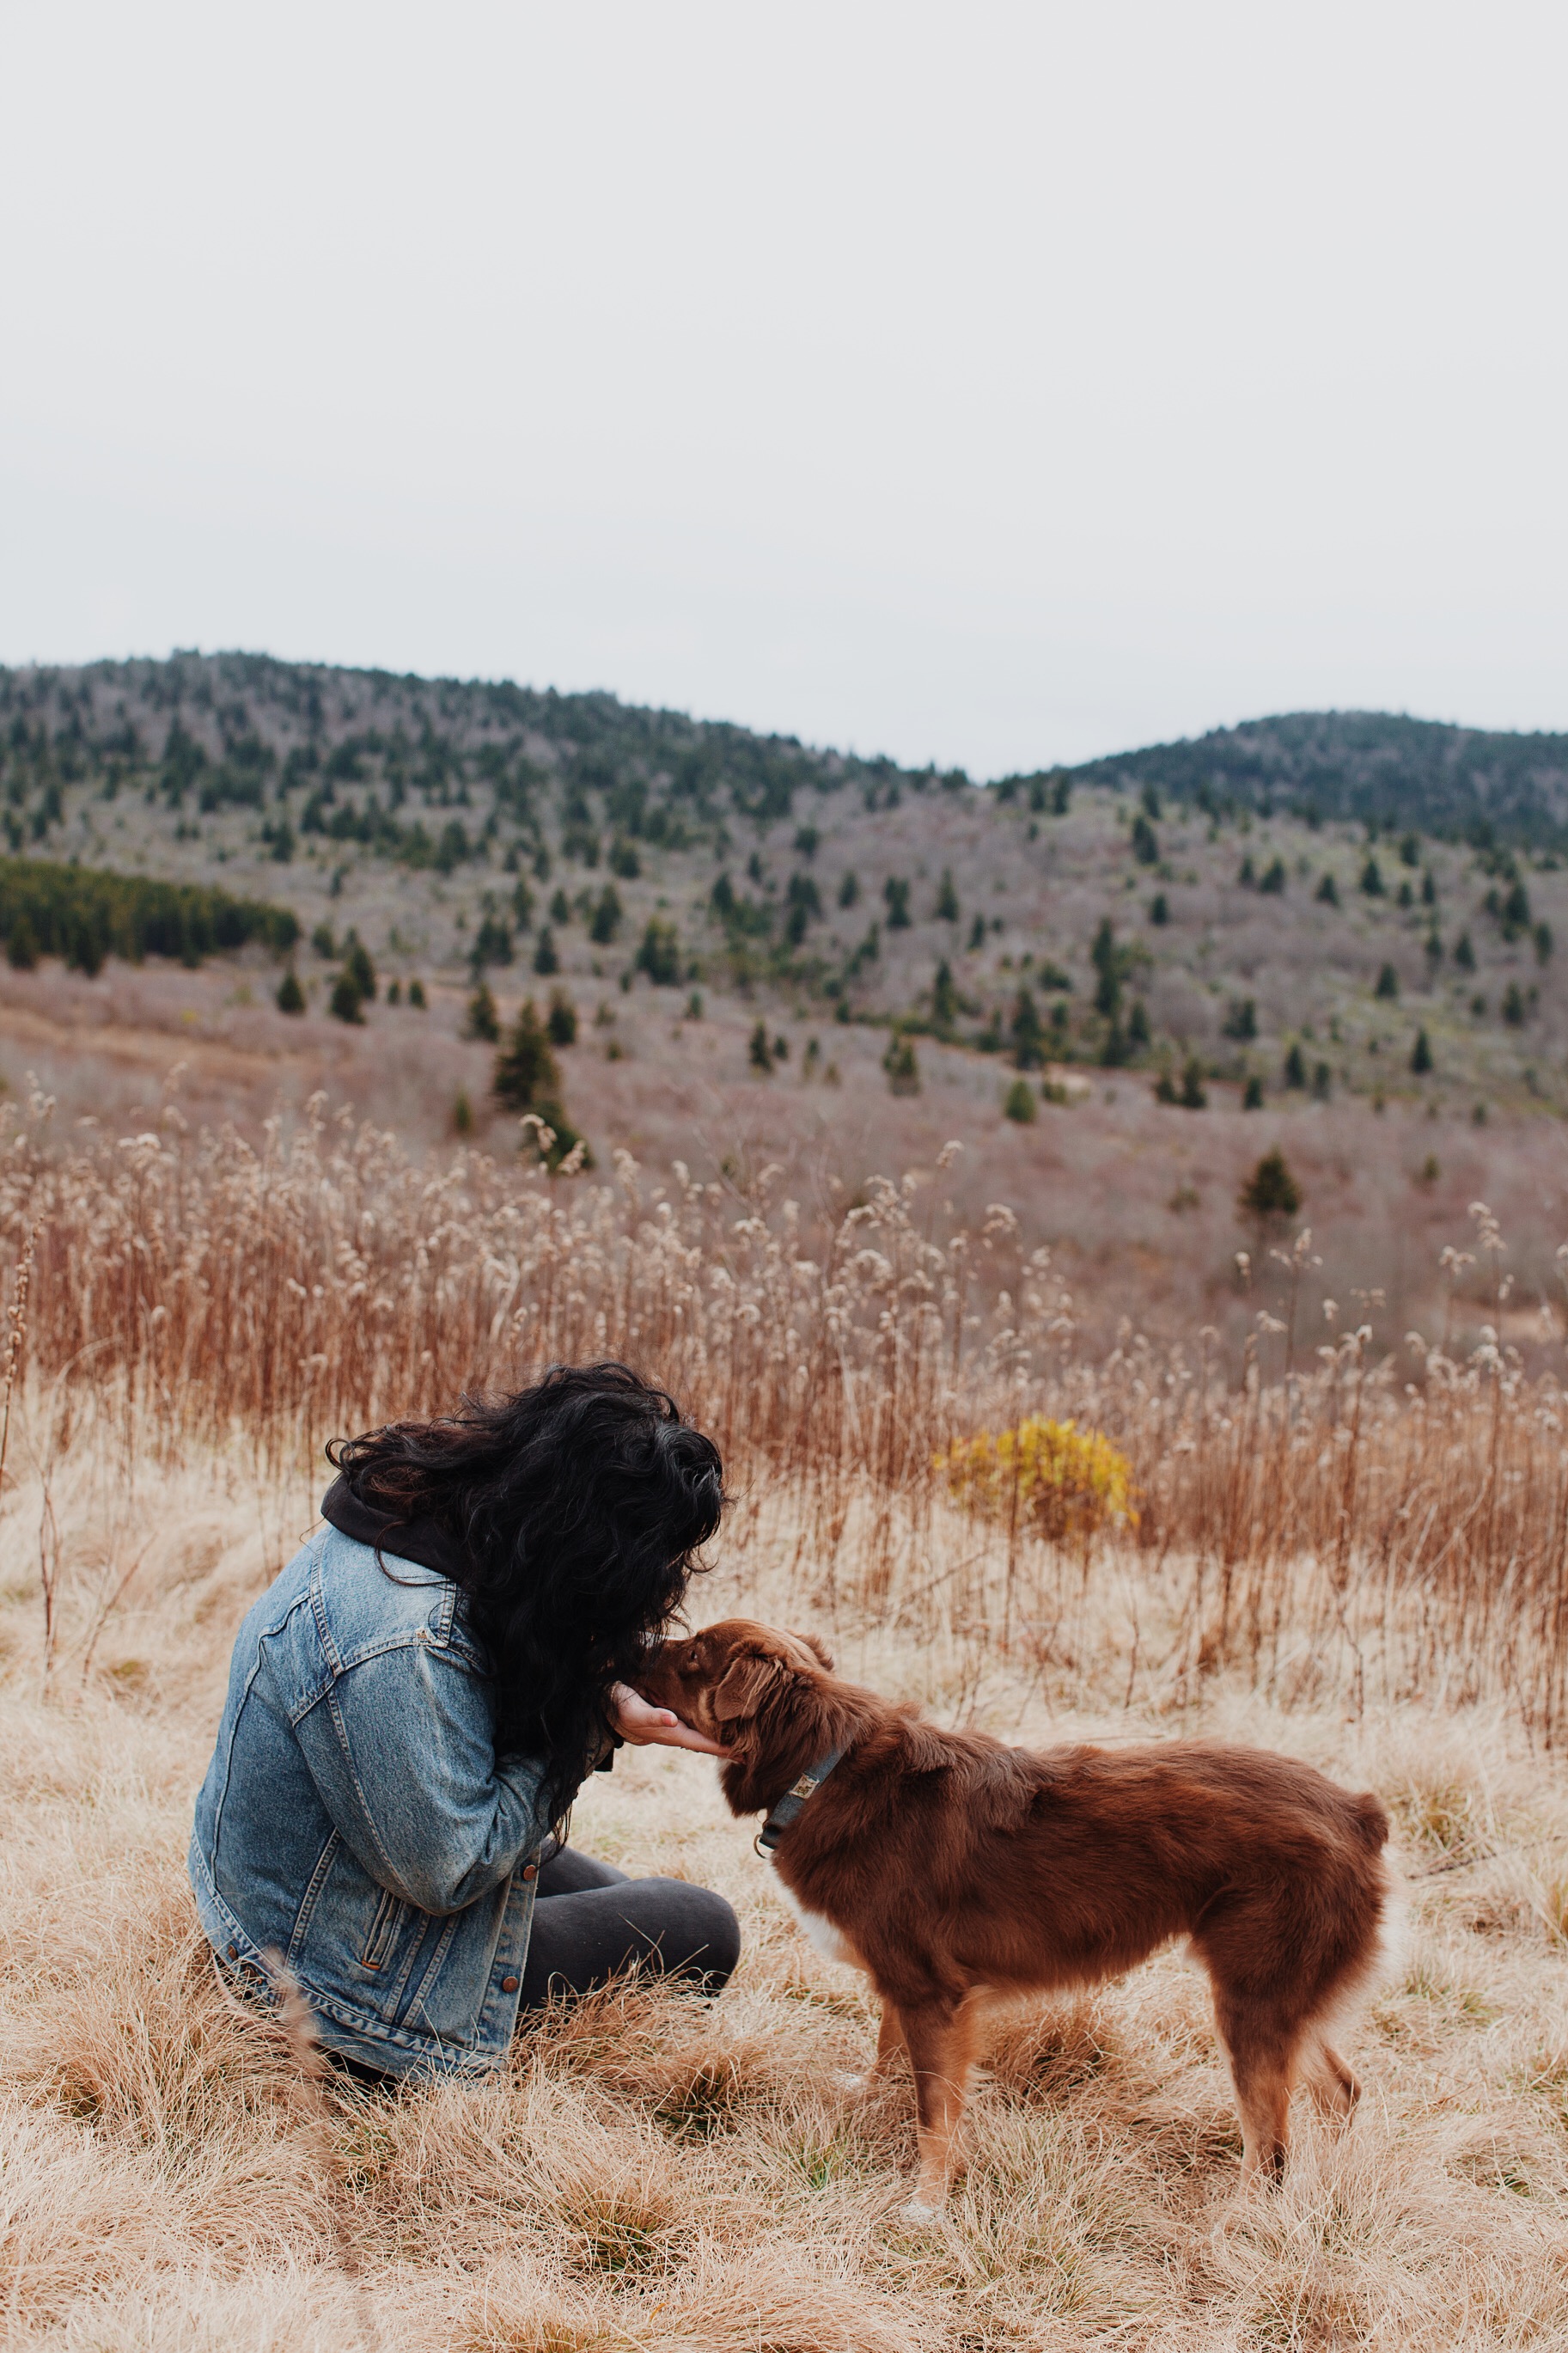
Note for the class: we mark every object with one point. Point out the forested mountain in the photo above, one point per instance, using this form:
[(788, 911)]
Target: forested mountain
[(210, 731), (1333, 903), (244, 729), (1458, 783)]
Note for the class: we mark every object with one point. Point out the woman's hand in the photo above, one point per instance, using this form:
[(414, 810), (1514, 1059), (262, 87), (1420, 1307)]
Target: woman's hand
[(644, 1726)]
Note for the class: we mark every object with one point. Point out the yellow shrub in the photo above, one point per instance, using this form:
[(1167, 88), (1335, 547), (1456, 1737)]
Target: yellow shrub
[(1068, 1481)]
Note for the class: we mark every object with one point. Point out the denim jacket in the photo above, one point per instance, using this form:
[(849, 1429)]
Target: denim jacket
[(356, 1819)]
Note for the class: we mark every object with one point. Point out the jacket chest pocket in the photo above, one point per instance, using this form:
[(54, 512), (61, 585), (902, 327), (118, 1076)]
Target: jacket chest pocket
[(390, 1915)]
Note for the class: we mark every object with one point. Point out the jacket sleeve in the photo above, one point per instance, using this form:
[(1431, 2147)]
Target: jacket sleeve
[(402, 1748)]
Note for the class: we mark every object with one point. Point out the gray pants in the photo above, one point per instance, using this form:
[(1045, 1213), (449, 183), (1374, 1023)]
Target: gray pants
[(591, 1921)]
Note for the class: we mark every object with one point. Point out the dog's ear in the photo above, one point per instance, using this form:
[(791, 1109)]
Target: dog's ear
[(818, 1649), (746, 1682)]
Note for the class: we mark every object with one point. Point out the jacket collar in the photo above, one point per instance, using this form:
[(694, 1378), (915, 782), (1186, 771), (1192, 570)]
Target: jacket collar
[(421, 1541)]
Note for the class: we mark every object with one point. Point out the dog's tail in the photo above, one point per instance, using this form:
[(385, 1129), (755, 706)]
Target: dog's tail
[(1371, 1821)]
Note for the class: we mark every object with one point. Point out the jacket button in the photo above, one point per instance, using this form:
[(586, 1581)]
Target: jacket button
[(529, 1871), (508, 1985), (234, 1952)]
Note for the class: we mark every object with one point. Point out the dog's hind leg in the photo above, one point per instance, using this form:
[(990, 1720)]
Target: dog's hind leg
[(940, 2037), (1332, 2085), (1262, 2053)]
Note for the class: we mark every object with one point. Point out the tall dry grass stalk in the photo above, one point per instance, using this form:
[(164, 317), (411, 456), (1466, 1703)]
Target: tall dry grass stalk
[(1371, 1516)]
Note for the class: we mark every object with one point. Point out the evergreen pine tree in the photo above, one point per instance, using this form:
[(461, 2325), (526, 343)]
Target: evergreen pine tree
[(480, 1021), (943, 997), (345, 1000), (659, 954), (527, 1075), (359, 968), (899, 1063), (1027, 1033), (1271, 1192), (1109, 963)]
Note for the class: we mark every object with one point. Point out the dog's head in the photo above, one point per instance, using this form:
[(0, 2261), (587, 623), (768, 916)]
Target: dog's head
[(764, 1694)]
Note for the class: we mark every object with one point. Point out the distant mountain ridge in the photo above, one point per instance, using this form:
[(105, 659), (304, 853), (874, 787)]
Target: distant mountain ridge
[(1458, 783), (1461, 783), (249, 711)]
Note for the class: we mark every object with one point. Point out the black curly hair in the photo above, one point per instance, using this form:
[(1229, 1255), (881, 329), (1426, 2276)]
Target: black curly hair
[(572, 1510)]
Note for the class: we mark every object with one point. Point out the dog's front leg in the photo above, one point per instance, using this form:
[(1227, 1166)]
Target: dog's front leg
[(889, 2042), (940, 2038)]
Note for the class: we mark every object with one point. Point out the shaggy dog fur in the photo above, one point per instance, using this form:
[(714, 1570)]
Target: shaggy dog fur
[(950, 1867)]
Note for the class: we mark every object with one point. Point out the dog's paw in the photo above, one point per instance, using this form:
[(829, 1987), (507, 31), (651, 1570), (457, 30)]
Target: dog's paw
[(852, 2079), (915, 2210)]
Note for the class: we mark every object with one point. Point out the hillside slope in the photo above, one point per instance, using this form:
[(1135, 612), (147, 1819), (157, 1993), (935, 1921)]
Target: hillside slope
[(467, 827)]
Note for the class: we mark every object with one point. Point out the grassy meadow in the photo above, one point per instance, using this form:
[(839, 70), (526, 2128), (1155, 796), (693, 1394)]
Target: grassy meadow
[(1353, 1551)]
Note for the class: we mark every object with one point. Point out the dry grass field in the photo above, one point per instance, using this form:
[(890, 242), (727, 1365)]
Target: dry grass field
[(1136, 1202), (1354, 1555)]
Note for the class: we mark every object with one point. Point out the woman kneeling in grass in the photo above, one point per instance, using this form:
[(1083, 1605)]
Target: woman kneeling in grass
[(413, 1705)]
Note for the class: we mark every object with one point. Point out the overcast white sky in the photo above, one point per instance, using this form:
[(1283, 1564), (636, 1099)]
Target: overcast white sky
[(994, 384)]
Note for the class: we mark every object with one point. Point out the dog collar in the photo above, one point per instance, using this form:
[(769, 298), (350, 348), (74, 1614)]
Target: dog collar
[(792, 1804)]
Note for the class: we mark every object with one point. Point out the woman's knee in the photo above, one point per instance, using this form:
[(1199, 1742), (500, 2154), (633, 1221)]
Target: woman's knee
[(699, 1935), (566, 1870)]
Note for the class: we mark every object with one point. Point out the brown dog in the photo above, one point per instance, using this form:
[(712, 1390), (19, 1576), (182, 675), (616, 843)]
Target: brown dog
[(949, 1867)]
